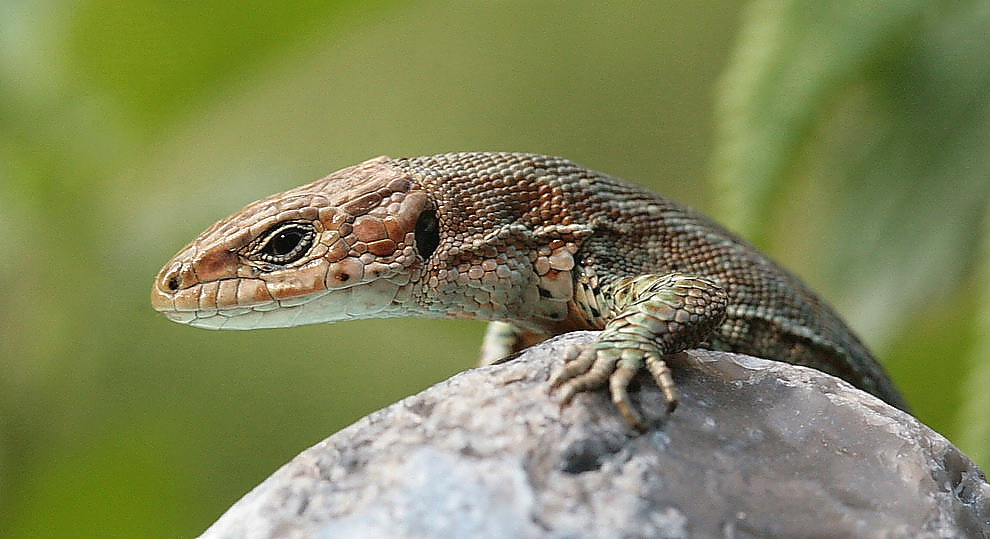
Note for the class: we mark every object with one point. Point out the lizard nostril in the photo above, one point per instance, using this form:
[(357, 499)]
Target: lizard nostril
[(171, 281)]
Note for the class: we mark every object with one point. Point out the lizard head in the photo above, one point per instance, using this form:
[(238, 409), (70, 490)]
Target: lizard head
[(351, 245)]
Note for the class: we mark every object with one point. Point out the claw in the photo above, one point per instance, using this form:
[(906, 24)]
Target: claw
[(662, 375), (618, 385)]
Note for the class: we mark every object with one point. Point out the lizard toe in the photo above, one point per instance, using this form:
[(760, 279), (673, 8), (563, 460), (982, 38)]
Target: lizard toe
[(613, 363), (583, 370), (618, 385), (662, 376)]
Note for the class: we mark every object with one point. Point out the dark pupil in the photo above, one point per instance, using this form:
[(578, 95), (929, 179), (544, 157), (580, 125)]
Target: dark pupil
[(284, 242)]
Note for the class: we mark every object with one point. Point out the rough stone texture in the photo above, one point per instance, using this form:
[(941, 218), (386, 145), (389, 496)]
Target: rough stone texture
[(755, 449)]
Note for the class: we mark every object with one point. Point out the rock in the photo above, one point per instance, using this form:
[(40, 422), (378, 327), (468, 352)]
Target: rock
[(755, 449)]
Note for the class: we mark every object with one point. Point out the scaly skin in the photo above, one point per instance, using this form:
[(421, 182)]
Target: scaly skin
[(536, 244)]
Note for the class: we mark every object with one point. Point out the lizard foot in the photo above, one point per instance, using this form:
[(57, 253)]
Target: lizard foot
[(655, 315), (593, 366)]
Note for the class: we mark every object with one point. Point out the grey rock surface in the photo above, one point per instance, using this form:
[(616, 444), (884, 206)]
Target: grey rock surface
[(755, 449)]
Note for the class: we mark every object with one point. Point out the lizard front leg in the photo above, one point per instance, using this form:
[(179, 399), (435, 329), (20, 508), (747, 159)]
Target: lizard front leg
[(650, 317), (503, 339)]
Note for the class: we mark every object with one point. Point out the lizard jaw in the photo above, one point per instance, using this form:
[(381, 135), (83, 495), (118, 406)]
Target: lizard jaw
[(372, 299)]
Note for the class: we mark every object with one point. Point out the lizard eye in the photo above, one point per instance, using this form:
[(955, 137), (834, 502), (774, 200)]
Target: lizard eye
[(285, 243), (427, 233)]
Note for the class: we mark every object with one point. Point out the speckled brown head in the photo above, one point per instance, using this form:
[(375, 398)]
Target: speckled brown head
[(346, 246)]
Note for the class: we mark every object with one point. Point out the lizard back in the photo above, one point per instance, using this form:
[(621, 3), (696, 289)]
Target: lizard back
[(771, 312)]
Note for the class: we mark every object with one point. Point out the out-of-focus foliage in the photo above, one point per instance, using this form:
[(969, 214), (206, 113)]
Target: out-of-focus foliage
[(869, 123), (127, 127)]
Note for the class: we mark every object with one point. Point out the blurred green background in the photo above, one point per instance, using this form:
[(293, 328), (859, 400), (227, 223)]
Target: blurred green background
[(849, 139)]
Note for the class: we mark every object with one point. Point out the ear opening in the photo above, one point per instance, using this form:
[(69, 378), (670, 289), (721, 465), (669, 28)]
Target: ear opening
[(427, 233)]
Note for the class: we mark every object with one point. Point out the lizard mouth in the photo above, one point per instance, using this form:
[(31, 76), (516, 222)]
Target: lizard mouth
[(211, 304), (240, 304)]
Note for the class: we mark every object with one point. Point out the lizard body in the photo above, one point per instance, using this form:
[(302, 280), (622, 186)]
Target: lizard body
[(536, 244)]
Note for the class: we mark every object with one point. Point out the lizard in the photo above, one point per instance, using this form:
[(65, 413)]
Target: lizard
[(536, 245)]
